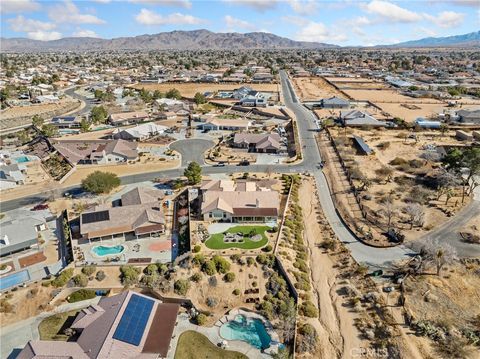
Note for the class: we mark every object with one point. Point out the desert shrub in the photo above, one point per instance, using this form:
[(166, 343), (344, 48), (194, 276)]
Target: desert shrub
[(63, 278), (211, 302), (307, 309), (181, 286), (250, 261), (267, 248), (162, 268), (197, 277), (82, 294), (415, 163), (100, 275), (301, 265), (198, 259), (151, 269), (212, 281), (266, 259), (201, 319), (129, 274), (221, 264), (236, 291), (229, 277), (235, 257), (197, 248), (89, 270), (383, 145), (254, 284), (5, 306), (80, 280), (398, 161), (209, 268), (307, 339)]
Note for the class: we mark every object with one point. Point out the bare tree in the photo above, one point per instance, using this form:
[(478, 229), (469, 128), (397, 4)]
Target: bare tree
[(438, 254), (388, 210), (415, 213)]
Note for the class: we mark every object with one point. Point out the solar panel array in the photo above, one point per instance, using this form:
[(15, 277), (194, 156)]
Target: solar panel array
[(134, 319), (95, 217)]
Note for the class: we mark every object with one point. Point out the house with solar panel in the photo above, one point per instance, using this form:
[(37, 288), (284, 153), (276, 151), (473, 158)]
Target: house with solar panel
[(126, 325), (140, 215), (62, 122)]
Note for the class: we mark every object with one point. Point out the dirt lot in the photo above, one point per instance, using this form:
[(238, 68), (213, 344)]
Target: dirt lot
[(398, 188), (416, 110), (382, 96), (314, 88), (190, 89)]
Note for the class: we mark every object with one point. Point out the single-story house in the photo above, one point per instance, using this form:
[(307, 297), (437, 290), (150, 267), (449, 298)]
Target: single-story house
[(128, 118), (97, 151), (334, 102), (140, 132), (262, 143), (126, 325), (359, 118), (140, 215), (469, 116), (12, 175), (246, 203), (253, 101), (215, 124)]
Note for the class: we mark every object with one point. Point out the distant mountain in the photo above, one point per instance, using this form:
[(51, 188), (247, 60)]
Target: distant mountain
[(468, 40), (174, 40)]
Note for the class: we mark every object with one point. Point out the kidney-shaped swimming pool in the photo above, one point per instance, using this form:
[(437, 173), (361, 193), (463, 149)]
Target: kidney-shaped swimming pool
[(250, 330)]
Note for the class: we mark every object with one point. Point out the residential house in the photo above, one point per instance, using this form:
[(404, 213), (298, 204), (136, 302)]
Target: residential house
[(359, 118), (66, 122), (126, 325), (262, 78), (334, 102), (97, 151), (216, 124), (262, 143), (469, 116), (253, 101), (139, 216), (243, 202), (128, 118), (140, 132), (12, 175), (463, 136)]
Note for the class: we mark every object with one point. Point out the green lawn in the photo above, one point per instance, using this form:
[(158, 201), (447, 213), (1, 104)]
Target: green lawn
[(193, 345), (51, 328), (216, 240)]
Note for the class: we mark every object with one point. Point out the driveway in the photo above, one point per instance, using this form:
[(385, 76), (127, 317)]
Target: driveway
[(191, 150)]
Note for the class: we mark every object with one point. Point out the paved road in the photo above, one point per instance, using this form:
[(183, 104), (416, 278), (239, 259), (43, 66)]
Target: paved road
[(88, 104), (192, 150)]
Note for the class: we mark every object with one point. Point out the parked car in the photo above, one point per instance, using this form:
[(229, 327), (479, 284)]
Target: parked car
[(40, 207), (220, 164), (244, 163)]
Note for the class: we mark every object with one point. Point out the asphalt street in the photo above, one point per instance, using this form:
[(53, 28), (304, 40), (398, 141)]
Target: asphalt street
[(88, 102)]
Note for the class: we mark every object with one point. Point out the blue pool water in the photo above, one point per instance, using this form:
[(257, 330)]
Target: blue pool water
[(102, 251), (14, 279), (249, 330), (22, 159)]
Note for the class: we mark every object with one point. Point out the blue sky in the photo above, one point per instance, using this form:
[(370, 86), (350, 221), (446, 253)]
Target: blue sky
[(342, 22)]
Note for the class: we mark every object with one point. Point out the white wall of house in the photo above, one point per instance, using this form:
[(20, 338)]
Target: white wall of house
[(112, 158)]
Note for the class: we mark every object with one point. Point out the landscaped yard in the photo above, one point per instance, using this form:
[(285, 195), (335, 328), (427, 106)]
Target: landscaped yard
[(192, 345), (51, 328), (216, 241)]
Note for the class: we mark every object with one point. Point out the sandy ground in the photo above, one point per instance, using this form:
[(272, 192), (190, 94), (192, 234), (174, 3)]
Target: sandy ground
[(410, 115), (386, 96), (190, 89), (314, 88), (35, 109), (336, 329), (120, 170)]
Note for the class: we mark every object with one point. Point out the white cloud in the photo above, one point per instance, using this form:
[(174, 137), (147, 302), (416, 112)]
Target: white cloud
[(233, 23), (17, 6), (186, 4), (362, 21), (427, 31), (303, 7), (389, 12), (295, 20), (103, 1), (471, 3), (21, 24), (257, 5), (68, 12), (44, 35), (318, 32), (446, 19), (85, 33), (147, 17)]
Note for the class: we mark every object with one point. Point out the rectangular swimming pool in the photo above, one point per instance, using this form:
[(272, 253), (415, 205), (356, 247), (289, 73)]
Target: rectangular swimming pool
[(14, 279)]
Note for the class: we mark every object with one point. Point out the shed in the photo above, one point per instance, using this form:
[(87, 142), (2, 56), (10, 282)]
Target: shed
[(362, 145)]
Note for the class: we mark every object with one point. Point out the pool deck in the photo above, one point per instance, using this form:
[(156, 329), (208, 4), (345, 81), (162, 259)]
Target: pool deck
[(213, 334)]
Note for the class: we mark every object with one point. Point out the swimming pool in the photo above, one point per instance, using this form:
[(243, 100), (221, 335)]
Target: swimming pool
[(249, 330), (14, 279), (22, 159), (102, 251)]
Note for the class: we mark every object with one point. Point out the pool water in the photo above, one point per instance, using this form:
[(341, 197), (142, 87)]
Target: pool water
[(22, 159), (249, 330), (14, 279), (102, 251)]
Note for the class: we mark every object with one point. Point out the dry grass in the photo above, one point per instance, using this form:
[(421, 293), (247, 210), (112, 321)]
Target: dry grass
[(314, 88)]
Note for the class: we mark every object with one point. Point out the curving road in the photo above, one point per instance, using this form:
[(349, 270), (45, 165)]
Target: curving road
[(193, 149)]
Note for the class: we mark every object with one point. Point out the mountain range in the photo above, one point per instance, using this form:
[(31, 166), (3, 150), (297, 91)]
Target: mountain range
[(204, 39)]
